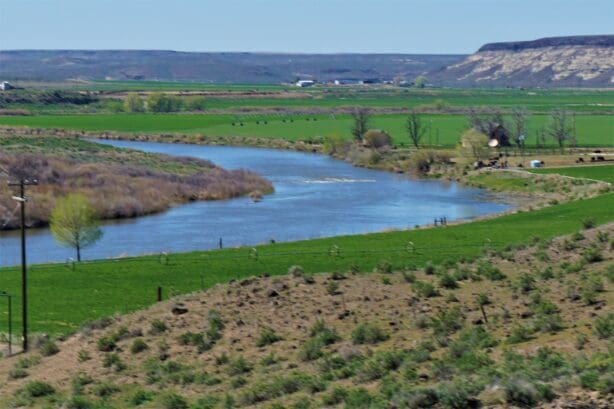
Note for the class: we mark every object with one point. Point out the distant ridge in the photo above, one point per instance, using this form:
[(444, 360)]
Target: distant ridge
[(578, 61), (593, 41), (213, 67)]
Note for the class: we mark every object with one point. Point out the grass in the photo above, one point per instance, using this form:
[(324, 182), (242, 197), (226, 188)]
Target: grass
[(61, 300), (601, 172), (592, 130), (328, 96)]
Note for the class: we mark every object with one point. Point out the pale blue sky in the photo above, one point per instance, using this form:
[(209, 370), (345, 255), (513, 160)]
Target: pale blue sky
[(409, 26)]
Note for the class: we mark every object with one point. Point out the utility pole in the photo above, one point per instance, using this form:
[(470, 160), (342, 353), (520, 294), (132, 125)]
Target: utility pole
[(22, 199)]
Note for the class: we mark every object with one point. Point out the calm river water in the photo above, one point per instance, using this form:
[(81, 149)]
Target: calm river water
[(315, 196)]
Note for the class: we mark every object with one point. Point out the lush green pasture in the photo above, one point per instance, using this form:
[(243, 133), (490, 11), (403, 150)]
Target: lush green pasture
[(601, 172), (61, 299), (443, 130)]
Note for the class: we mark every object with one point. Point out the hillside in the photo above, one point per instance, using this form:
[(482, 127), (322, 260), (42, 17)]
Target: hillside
[(580, 61), (241, 68), (529, 326)]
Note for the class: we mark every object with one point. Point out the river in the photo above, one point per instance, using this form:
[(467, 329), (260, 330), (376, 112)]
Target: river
[(315, 196)]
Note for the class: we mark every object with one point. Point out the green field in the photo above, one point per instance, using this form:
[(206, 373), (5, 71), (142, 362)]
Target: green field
[(601, 172), (444, 130), (62, 299)]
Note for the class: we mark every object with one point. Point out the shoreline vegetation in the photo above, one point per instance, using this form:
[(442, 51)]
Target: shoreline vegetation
[(523, 189), (119, 183)]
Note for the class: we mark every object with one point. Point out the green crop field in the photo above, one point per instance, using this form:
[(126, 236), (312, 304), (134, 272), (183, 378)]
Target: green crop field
[(444, 130), (601, 172), (61, 299)]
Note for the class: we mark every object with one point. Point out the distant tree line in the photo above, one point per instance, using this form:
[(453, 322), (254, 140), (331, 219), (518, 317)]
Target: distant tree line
[(159, 102)]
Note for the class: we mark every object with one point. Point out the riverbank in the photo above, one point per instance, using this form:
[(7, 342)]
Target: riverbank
[(525, 190), (119, 183)]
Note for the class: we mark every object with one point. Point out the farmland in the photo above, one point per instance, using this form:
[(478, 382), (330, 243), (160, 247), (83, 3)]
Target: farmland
[(605, 173), (443, 130)]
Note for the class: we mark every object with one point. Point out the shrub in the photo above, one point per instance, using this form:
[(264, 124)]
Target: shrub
[(375, 138), (312, 350), (409, 276), (105, 389), (429, 268), (138, 345), (327, 335), (332, 288), (17, 373), (525, 394), (447, 322), (157, 327), (113, 361), (592, 255), (447, 281), (519, 334), (296, 271), (141, 396), (106, 344), (172, 400), (525, 283), (36, 389), (458, 394), (239, 366), (424, 289), (604, 326), (588, 223), (368, 334), (79, 402), (491, 272), (267, 337), (49, 348), (83, 356)]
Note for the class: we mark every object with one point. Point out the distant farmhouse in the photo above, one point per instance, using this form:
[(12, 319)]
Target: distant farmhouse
[(5, 86), (305, 83)]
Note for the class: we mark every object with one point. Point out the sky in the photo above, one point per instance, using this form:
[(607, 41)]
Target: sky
[(324, 26)]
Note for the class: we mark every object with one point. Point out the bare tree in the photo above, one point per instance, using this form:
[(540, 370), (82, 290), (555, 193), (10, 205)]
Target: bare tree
[(560, 128), (415, 128), (361, 123), (519, 119)]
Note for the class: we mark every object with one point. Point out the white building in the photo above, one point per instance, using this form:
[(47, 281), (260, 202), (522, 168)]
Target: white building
[(304, 83), (5, 86)]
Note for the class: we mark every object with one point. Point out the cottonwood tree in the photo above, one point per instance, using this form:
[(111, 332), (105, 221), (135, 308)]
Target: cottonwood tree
[(519, 119), (474, 145), (415, 128), (134, 103), (73, 223), (361, 123), (560, 127)]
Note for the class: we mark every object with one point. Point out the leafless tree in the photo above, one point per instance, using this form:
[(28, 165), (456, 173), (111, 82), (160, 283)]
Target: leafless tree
[(560, 127), (520, 116), (415, 128), (361, 118)]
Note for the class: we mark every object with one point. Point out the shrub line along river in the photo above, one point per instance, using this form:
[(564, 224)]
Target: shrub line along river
[(315, 196)]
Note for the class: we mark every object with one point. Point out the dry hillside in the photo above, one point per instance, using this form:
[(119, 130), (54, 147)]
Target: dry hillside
[(530, 326)]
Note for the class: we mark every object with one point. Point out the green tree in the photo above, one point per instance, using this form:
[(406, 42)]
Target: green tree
[(134, 103), (161, 102), (73, 223), (361, 123), (420, 81), (415, 129)]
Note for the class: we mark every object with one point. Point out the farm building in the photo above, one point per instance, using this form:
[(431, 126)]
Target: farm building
[(305, 83), (5, 86)]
